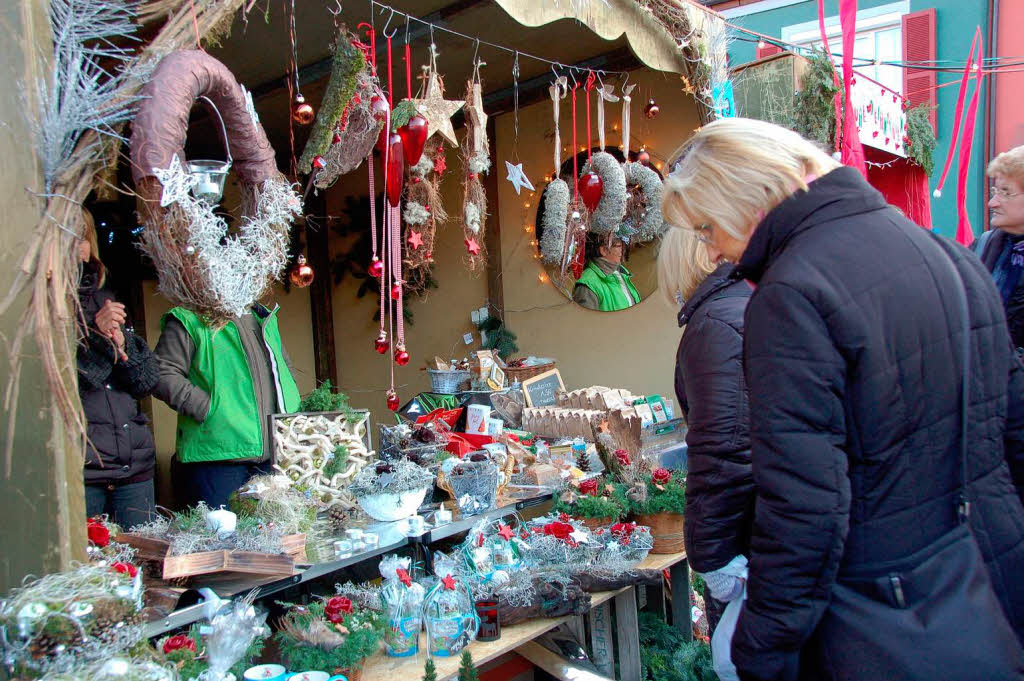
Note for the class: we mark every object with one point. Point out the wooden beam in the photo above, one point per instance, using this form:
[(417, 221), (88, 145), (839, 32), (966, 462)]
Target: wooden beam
[(321, 299), (627, 633), (557, 666)]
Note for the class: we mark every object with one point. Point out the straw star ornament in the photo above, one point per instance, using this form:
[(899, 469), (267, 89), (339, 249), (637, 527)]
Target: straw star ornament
[(437, 110)]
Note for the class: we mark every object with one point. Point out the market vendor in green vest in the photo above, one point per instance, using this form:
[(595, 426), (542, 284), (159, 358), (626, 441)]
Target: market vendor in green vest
[(223, 382), (605, 284)]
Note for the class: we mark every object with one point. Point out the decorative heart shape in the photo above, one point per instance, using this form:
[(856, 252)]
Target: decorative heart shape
[(591, 189), (396, 168), (414, 136)]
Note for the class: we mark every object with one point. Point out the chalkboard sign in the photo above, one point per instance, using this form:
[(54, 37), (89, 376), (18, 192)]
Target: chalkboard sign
[(542, 390)]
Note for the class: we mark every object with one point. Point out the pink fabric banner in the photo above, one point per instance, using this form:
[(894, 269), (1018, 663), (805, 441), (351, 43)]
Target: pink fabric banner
[(852, 151), (964, 234)]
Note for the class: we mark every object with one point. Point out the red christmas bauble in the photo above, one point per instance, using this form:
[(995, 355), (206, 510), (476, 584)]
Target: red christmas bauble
[(337, 137), (643, 157), (381, 345), (396, 169), (414, 136), (591, 189), (396, 291), (302, 112), (393, 400), (319, 162), (401, 356), (302, 274), (652, 109), (376, 268)]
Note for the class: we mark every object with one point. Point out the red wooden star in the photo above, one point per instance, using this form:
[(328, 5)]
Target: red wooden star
[(505, 532), (472, 246), (415, 239), (403, 576), (449, 583)]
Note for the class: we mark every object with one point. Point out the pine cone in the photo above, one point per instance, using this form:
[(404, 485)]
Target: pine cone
[(583, 462), (339, 516)]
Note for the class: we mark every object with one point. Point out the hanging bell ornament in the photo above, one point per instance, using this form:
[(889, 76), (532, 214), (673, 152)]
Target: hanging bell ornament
[(302, 111), (396, 291), (392, 400), (401, 355), (652, 109), (381, 344), (376, 268), (302, 274)]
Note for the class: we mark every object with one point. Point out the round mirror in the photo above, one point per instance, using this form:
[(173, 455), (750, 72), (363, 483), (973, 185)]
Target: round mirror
[(603, 272)]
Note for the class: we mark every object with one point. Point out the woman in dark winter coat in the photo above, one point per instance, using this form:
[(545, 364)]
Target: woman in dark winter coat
[(115, 369), (851, 356), (713, 396)]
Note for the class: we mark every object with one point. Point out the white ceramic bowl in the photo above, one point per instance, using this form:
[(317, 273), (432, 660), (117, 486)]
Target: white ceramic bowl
[(386, 506)]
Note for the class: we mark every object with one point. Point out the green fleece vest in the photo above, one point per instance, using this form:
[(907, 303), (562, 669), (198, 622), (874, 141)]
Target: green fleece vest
[(233, 428), (609, 290)]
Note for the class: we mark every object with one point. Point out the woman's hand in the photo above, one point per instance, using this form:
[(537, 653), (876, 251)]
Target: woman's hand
[(108, 322)]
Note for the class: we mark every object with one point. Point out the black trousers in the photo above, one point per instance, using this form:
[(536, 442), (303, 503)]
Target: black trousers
[(213, 482)]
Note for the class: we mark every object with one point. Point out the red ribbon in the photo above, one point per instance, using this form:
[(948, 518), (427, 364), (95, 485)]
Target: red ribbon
[(964, 233), (575, 168), (408, 72), (591, 79), (959, 110), (391, 88)]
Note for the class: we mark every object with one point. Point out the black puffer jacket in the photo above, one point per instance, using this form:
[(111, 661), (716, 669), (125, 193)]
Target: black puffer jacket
[(120, 448), (850, 356), (713, 396), (1015, 305)]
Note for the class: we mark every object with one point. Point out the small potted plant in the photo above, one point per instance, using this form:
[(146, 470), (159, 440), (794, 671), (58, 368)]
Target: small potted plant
[(660, 504), (334, 636), (391, 490), (590, 500)]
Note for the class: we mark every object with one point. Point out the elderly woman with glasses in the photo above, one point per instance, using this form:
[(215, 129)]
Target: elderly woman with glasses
[(861, 540), (1002, 247)]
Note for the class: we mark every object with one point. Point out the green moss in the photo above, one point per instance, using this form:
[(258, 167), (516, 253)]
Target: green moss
[(348, 63), (337, 464), (591, 507), (401, 114), (323, 398)]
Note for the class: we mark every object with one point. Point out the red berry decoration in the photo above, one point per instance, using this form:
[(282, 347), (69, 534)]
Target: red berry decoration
[(401, 356), (396, 291), (376, 268), (337, 137), (414, 136), (392, 400), (381, 345), (591, 189)]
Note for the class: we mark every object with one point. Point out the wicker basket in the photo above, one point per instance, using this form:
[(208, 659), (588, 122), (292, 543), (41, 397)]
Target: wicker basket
[(520, 374), (594, 524), (447, 382), (666, 530)]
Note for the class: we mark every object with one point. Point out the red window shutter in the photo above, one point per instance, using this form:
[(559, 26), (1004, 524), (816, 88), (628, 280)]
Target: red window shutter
[(768, 50), (919, 46)]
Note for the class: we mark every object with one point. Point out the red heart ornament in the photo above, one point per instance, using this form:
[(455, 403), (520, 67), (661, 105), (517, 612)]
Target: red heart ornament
[(381, 344), (414, 136), (396, 169), (591, 189), (392, 400), (401, 356)]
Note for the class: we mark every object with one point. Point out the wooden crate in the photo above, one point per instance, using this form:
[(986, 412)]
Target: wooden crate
[(208, 562)]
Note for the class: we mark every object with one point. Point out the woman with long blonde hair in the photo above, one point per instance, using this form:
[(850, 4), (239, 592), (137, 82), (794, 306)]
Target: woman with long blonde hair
[(877, 542)]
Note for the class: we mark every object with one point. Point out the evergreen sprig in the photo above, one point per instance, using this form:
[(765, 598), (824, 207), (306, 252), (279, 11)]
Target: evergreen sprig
[(669, 497), (365, 629)]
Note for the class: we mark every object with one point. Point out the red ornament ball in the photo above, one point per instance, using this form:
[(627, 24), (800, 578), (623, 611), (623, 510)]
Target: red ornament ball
[(381, 345), (652, 109), (376, 268), (392, 400), (302, 274), (591, 189), (643, 157), (401, 356), (302, 112), (396, 291)]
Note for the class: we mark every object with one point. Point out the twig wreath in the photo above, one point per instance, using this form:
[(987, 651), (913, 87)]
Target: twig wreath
[(608, 214), (200, 265)]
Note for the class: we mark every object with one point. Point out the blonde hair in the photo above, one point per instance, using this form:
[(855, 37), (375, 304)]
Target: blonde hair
[(683, 264), (1009, 164), (89, 234), (736, 169)]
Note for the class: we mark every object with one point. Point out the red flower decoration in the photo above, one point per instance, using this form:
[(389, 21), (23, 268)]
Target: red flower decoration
[(336, 608), (661, 476), (505, 532), (563, 517), (125, 569), (179, 642), (449, 583), (403, 576), (559, 530), (98, 533), (624, 530), (622, 456), (589, 487)]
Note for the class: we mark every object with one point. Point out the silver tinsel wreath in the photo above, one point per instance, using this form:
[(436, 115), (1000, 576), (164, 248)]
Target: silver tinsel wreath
[(612, 207), (556, 212), (651, 224)]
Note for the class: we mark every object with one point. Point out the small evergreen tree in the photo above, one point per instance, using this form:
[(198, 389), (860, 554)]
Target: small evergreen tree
[(467, 670), (429, 673)]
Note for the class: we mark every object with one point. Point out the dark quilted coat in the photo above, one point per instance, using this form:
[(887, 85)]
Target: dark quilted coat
[(850, 356), (1014, 307), (713, 395), (121, 448)]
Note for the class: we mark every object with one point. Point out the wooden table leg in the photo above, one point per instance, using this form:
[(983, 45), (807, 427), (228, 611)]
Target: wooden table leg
[(680, 573), (627, 633), (601, 650)]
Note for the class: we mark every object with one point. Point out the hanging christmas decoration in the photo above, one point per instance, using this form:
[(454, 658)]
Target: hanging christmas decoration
[(395, 169), (591, 189), (392, 400), (302, 274), (652, 109), (626, 117), (556, 196), (414, 136), (518, 177), (423, 212), (475, 161), (437, 110), (642, 221), (350, 81), (608, 210)]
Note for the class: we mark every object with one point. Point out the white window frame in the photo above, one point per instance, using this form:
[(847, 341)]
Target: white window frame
[(871, 19)]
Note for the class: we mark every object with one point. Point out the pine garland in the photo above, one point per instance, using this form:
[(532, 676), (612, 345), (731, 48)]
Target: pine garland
[(814, 112), (920, 141)]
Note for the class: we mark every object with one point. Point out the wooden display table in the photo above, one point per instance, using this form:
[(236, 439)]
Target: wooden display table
[(380, 666)]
